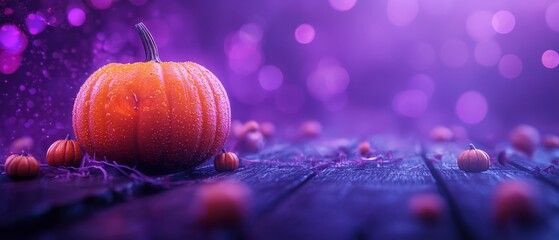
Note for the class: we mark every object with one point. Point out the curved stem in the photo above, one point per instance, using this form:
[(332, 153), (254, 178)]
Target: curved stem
[(23, 153), (67, 137), (472, 147), (223, 150), (152, 54)]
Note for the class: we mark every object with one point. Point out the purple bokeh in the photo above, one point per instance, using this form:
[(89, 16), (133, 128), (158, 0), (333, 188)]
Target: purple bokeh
[(357, 66)]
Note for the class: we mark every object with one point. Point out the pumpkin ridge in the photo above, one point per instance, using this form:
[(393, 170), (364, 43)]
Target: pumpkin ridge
[(97, 125), (87, 112), (221, 133), (169, 139), (211, 148), (69, 151), (28, 166), (202, 145), (188, 79)]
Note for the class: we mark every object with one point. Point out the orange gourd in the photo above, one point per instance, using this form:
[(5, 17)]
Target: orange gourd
[(473, 160), (21, 166), (65, 153), (159, 116), (226, 162)]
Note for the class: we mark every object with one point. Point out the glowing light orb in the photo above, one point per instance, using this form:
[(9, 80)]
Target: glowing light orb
[(552, 16), (471, 107), (328, 80), (410, 103), (76, 17), (9, 63), (454, 53), (510, 66), (12, 39), (550, 59), (478, 25), (503, 22), (102, 4), (342, 5), (35, 23), (304, 33), (487, 53), (270, 78), (402, 12)]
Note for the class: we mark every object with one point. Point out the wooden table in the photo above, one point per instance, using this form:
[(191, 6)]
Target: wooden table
[(319, 189)]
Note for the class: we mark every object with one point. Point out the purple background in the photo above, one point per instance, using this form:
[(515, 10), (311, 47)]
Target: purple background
[(397, 66)]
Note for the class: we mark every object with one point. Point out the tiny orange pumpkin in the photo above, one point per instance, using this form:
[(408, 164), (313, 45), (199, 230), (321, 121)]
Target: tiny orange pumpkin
[(21, 166), (226, 161), (65, 153), (473, 160), (364, 149)]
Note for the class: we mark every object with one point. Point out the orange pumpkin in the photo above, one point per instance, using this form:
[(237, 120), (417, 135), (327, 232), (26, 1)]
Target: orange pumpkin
[(65, 153), (473, 160), (226, 162), (21, 166), (159, 116)]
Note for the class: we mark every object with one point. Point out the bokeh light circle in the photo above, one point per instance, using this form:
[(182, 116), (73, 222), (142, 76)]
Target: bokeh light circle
[(328, 80), (471, 107), (454, 53), (101, 4), (9, 63), (12, 39), (402, 12), (510, 66), (35, 23), (487, 53), (550, 59), (422, 82), (76, 17), (304, 33), (478, 25), (410, 103), (503, 22), (270, 78), (342, 5), (552, 16)]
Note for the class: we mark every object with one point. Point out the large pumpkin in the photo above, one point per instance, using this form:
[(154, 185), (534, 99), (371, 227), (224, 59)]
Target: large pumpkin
[(159, 116)]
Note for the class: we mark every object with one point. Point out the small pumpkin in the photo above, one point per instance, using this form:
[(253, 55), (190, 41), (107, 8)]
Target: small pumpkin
[(21, 166), (222, 204), (159, 116), (441, 134), (65, 153), (226, 161), (551, 141), (515, 201), (364, 149), (473, 160), (525, 138)]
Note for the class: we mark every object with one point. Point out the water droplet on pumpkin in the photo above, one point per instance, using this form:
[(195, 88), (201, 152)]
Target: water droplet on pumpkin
[(87, 103), (157, 92)]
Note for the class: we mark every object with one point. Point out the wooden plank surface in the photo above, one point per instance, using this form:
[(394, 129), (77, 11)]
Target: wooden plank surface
[(472, 195), (313, 189)]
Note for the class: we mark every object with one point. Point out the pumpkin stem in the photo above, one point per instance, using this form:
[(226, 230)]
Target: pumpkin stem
[(472, 147), (152, 54), (67, 137), (23, 153), (223, 150)]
